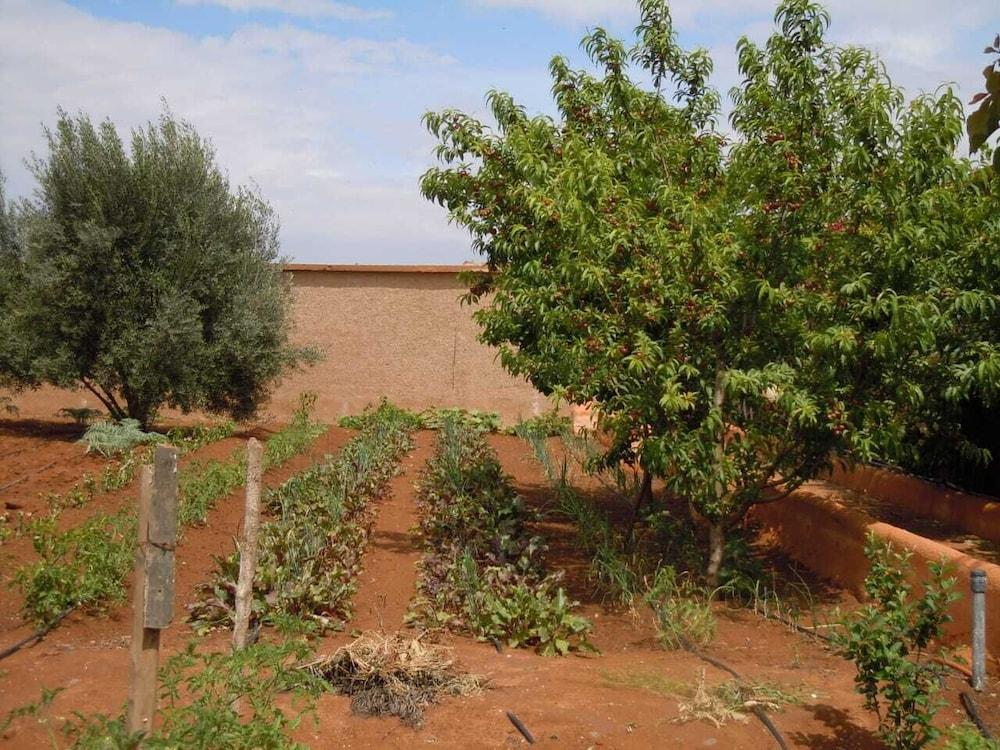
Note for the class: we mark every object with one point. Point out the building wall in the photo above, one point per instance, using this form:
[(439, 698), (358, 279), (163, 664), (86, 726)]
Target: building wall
[(394, 331), (400, 332)]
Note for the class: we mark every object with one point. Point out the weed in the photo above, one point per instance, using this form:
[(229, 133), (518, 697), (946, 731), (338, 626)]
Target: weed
[(35, 709), (967, 737), (683, 609), (888, 641), (83, 416)]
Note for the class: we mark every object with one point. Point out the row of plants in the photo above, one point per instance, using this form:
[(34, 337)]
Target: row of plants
[(310, 552), (482, 568), (86, 566), (549, 424)]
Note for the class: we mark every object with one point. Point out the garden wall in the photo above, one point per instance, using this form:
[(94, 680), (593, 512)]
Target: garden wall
[(395, 331), (970, 512), (400, 332), (828, 538)]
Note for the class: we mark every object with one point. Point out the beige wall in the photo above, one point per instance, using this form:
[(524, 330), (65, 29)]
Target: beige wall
[(395, 331), (398, 332)]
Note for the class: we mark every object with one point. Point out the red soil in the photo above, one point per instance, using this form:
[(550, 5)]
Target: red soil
[(576, 701)]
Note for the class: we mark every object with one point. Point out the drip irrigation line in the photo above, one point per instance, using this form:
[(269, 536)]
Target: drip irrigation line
[(519, 725), (970, 708), (756, 710), (38, 634)]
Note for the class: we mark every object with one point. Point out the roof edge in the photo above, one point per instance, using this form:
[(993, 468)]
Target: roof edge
[(380, 268)]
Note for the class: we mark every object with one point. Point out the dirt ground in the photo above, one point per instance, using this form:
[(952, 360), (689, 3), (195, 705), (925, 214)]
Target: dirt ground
[(572, 702)]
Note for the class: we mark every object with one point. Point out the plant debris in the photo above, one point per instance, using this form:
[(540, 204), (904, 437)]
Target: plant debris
[(390, 675)]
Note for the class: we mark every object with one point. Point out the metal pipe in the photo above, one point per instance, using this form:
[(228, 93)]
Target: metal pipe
[(978, 580)]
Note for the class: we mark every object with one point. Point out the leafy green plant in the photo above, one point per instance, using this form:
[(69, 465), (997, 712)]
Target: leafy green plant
[(889, 639), (114, 438), (85, 566), (482, 569), (549, 424), (198, 692)]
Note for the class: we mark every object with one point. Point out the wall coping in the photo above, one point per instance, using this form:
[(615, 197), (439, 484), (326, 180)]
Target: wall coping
[(380, 268)]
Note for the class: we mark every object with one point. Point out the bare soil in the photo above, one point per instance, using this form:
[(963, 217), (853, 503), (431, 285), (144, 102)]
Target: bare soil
[(573, 702)]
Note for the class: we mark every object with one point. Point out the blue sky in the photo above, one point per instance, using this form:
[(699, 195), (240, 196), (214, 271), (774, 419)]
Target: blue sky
[(319, 102)]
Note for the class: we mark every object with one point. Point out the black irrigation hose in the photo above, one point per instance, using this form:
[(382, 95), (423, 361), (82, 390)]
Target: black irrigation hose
[(519, 725), (757, 711), (970, 708), (37, 635)]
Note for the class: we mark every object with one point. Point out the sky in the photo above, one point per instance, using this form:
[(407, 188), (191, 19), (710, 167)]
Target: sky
[(318, 102)]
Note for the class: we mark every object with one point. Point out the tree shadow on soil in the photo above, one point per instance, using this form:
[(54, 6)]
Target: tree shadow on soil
[(846, 735)]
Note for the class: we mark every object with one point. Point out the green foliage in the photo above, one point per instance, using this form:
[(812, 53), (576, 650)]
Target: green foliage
[(113, 438), (888, 640), (986, 119), (85, 566), (432, 419), (967, 737), (738, 306), (682, 608), (482, 569), (549, 424), (196, 707), (141, 275), (310, 553)]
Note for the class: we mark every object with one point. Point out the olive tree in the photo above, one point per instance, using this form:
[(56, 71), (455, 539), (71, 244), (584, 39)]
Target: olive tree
[(143, 277), (739, 305)]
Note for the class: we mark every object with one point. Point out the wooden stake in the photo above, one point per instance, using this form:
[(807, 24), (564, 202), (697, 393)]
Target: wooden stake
[(153, 589), (248, 545)]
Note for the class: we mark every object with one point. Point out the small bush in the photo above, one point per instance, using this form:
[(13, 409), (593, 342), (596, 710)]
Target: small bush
[(967, 737), (888, 641), (550, 424), (113, 438)]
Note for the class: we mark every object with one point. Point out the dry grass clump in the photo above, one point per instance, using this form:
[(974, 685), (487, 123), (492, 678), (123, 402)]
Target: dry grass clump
[(389, 675), (732, 701)]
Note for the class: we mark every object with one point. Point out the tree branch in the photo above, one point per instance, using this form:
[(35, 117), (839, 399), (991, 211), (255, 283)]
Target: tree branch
[(114, 409)]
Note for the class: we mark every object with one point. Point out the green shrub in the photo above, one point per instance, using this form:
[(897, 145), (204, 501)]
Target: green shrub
[(113, 438), (85, 566), (888, 641), (967, 737), (550, 424)]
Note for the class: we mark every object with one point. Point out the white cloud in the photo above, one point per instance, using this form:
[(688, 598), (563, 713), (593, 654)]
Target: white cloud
[(304, 8), (328, 127)]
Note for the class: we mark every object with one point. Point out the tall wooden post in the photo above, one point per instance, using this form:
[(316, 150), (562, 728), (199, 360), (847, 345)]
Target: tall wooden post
[(153, 589), (248, 545)]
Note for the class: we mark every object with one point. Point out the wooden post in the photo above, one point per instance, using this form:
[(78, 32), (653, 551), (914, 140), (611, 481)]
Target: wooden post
[(153, 589), (248, 545)]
